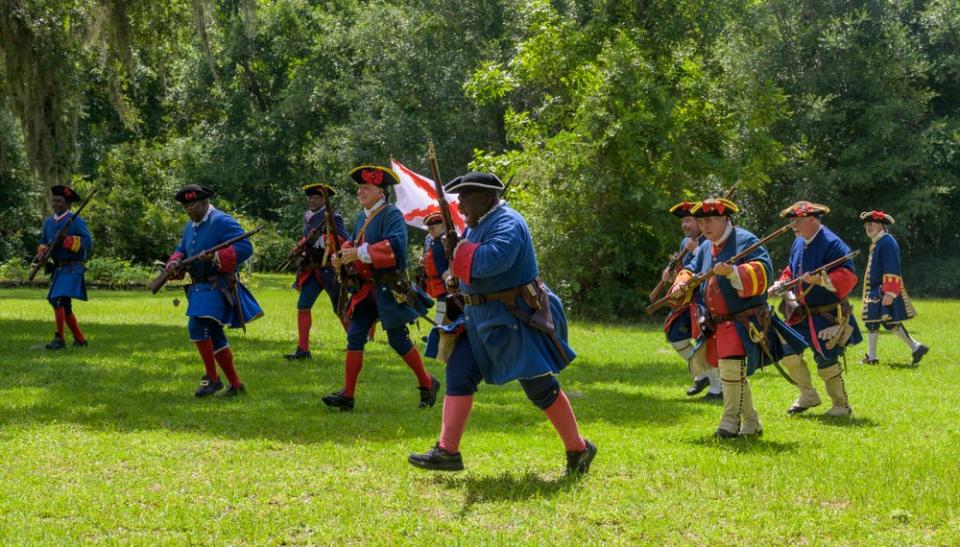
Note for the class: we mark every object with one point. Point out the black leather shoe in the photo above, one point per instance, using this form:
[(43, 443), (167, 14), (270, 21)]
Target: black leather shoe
[(724, 434), (868, 361), (298, 355), (578, 463), (698, 386), (208, 386), (338, 400), (56, 343), (797, 409), (712, 397), (437, 459), (428, 396), (919, 353), (79, 343), (233, 391)]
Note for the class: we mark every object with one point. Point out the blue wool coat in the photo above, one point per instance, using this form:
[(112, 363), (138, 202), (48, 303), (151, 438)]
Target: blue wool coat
[(704, 261), (504, 347), (678, 325), (388, 225), (210, 298), (825, 247), (326, 275), (68, 280), (883, 265)]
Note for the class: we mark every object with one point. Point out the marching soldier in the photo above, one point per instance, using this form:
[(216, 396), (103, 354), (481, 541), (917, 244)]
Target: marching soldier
[(216, 297), (678, 326), (819, 310), (68, 281), (378, 251), (434, 263), (513, 327), (885, 298), (315, 270), (743, 334)]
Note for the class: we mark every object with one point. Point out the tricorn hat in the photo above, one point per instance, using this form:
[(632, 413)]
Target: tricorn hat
[(474, 181), (375, 175), (65, 192), (317, 189), (876, 216), (193, 192), (714, 207), (805, 209), (682, 209)]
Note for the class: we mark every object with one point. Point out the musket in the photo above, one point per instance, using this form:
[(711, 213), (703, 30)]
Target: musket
[(676, 260), (58, 239), (449, 228), (700, 278), (182, 265), (331, 226), (826, 267)]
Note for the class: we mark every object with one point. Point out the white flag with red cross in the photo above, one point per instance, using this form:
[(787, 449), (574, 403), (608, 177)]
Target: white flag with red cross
[(417, 197)]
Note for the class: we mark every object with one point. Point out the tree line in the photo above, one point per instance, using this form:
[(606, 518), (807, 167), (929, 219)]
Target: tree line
[(600, 114)]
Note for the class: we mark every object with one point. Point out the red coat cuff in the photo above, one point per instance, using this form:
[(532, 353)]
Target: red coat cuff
[(891, 283), (463, 260), (844, 280), (381, 255), (227, 259), (72, 243), (786, 275), (174, 257), (753, 277)]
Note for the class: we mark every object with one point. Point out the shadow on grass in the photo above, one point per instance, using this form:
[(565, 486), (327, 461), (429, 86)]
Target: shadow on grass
[(901, 366), (141, 377), (505, 487), (837, 421), (747, 445)]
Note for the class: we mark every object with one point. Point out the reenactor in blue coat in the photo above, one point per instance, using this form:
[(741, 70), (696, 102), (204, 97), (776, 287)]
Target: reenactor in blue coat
[(433, 263), (742, 334), (819, 310), (215, 294), (513, 327), (885, 298), (314, 269), (377, 251), (68, 265), (678, 326)]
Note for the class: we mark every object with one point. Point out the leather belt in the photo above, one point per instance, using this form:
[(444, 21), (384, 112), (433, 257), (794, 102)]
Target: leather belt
[(507, 297), (739, 316)]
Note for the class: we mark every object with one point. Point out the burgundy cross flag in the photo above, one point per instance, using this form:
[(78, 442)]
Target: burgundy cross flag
[(417, 197)]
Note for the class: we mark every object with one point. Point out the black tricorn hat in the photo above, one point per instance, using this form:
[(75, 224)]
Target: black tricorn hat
[(193, 192), (317, 188), (65, 192), (375, 175), (474, 181)]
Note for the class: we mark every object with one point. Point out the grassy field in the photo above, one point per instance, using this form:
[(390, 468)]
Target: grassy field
[(108, 444)]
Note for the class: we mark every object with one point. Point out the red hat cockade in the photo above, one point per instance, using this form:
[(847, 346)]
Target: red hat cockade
[(715, 207), (876, 215), (375, 175), (317, 189), (65, 192), (805, 209), (682, 209), (193, 192), (433, 218)]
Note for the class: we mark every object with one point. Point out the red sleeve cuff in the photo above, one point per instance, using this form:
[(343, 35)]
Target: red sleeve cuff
[(381, 255), (753, 276), (844, 280), (72, 243), (227, 259), (891, 283), (463, 260), (174, 257), (786, 275)]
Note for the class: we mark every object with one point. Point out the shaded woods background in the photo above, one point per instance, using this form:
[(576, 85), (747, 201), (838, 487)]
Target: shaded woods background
[(601, 114)]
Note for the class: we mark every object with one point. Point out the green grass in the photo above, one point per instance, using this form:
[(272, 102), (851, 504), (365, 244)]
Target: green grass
[(108, 444)]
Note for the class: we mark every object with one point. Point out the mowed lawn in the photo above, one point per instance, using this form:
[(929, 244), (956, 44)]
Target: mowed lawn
[(108, 444)]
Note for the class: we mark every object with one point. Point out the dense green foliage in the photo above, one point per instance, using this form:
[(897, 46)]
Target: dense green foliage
[(600, 113), (106, 444)]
